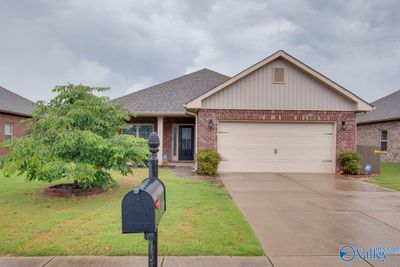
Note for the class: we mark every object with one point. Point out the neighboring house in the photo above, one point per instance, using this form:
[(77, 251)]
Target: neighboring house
[(278, 115), (381, 127), (13, 109)]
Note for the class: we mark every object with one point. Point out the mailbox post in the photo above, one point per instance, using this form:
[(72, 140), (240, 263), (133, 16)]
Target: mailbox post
[(144, 206)]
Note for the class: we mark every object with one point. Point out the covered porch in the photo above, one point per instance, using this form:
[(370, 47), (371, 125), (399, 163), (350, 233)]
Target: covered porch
[(177, 136)]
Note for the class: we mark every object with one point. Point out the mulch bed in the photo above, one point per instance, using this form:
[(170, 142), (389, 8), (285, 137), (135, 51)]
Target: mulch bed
[(69, 190)]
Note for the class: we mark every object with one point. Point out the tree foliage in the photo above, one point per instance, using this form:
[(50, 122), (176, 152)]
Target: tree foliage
[(76, 135)]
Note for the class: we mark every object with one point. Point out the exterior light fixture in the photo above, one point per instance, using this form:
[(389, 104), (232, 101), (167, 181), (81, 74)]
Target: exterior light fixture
[(210, 123), (344, 125)]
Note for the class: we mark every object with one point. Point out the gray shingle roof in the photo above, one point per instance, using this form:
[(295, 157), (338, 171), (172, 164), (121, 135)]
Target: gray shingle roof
[(386, 108), (170, 96), (15, 104)]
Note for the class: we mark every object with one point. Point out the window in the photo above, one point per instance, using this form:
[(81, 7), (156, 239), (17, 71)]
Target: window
[(139, 130), (278, 75), (384, 140), (8, 131), (145, 130)]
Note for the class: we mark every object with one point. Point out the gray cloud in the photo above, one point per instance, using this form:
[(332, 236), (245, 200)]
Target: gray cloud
[(128, 44)]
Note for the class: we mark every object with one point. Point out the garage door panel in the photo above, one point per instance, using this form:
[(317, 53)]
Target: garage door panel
[(293, 138), (273, 167), (276, 139), (308, 153), (276, 147), (254, 142), (290, 152), (254, 127)]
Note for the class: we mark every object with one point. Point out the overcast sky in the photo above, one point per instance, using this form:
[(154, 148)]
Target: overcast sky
[(129, 45)]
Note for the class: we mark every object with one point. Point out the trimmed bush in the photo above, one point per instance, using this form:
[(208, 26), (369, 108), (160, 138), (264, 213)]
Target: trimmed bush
[(207, 161), (350, 161)]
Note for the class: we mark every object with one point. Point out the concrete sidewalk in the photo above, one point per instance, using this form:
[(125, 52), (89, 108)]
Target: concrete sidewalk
[(122, 261)]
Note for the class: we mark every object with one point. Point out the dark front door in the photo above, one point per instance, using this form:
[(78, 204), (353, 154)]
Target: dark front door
[(186, 142)]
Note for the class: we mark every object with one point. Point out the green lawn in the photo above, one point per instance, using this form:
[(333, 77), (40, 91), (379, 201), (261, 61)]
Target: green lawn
[(201, 219), (389, 176)]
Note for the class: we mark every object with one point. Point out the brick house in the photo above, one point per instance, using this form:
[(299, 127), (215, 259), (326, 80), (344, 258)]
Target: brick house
[(381, 127), (278, 115), (13, 109)]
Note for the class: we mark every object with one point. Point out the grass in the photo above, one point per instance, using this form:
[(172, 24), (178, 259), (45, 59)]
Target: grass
[(201, 219), (389, 176)]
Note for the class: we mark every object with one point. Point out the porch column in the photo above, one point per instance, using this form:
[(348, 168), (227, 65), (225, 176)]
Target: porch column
[(160, 131)]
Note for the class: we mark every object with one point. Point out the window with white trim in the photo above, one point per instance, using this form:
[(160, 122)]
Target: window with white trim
[(384, 140), (8, 131), (139, 130)]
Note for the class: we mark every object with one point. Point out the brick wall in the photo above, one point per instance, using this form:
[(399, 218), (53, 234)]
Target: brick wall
[(369, 135), (345, 140), (19, 128)]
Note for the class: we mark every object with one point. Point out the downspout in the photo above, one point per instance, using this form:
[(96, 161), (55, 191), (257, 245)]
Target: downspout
[(195, 136)]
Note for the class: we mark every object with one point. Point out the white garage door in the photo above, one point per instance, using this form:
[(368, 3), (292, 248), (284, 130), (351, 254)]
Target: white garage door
[(276, 147)]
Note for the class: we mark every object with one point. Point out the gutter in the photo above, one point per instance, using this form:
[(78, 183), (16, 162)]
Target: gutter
[(378, 120), (20, 114), (156, 114)]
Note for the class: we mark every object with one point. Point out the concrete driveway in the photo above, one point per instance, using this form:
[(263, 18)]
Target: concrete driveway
[(304, 219)]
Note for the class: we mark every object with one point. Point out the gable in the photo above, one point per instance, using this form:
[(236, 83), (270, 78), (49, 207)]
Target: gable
[(339, 92), (299, 91)]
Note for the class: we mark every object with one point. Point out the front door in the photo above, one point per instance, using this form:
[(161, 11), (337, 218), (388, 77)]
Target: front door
[(186, 142)]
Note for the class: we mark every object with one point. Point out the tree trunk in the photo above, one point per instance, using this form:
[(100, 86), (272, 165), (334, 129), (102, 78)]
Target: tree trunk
[(75, 183)]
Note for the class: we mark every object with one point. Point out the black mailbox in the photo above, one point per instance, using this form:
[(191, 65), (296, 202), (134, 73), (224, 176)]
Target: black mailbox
[(144, 206)]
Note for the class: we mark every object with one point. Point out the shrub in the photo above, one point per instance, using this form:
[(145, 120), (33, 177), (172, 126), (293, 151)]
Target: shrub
[(350, 161), (207, 161)]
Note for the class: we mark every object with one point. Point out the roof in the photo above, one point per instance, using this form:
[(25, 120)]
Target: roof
[(170, 97), (386, 108), (15, 104), (361, 104)]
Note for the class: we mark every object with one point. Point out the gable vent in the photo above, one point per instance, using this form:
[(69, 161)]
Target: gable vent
[(278, 75)]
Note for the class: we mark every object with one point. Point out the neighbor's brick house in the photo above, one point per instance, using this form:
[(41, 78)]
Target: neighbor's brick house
[(13, 110), (381, 127), (278, 115)]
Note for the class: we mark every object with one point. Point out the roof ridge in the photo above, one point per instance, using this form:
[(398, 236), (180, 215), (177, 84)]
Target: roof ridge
[(9, 91), (179, 77)]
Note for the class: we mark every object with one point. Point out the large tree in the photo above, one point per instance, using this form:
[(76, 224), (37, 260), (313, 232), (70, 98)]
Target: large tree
[(76, 135)]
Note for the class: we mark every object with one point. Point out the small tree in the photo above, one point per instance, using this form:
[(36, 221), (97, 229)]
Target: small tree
[(76, 135)]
